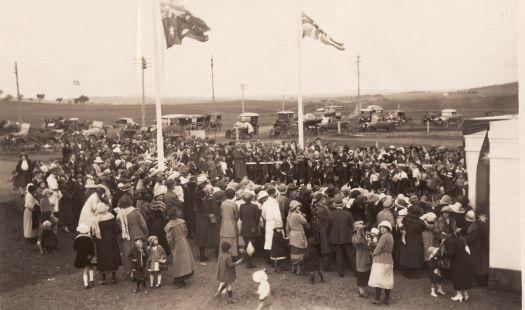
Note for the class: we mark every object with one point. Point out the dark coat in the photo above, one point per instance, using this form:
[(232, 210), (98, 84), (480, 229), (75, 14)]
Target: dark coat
[(108, 252), (311, 259), (340, 226), (250, 216), (225, 268), (156, 223), (85, 248), (139, 262), (411, 254), (477, 240), (461, 267), (203, 236)]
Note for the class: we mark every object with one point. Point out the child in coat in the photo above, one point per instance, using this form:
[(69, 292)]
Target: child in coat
[(263, 290), (311, 261), (226, 274), (436, 275), (156, 257), (84, 245), (47, 240), (139, 259)]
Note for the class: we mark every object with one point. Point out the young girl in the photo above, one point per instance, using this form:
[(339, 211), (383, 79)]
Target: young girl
[(226, 274), (436, 276), (156, 256), (85, 248), (311, 261), (47, 241), (139, 259), (263, 290)]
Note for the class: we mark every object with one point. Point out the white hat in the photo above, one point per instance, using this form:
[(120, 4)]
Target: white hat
[(385, 224), (260, 276), (98, 160), (374, 231), (83, 228), (160, 190), (117, 162), (457, 208), (90, 184), (470, 216), (429, 217), (262, 194)]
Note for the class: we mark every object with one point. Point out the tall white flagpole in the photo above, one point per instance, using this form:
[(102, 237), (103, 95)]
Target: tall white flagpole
[(158, 69), (300, 114)]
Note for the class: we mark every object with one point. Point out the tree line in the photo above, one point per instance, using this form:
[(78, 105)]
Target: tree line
[(79, 100)]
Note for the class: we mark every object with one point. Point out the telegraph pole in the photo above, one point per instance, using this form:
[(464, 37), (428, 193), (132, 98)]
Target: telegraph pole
[(18, 94), (143, 108), (213, 95), (358, 86), (242, 90)]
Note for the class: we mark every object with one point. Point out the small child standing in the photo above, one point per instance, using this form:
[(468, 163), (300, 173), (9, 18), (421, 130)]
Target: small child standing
[(47, 240), (436, 275), (263, 290), (156, 256), (226, 273), (85, 248), (139, 260), (311, 261)]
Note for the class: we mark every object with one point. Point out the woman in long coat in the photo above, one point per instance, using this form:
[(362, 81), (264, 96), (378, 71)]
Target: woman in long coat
[(411, 254), (445, 224), (382, 271), (106, 231), (229, 229), (183, 263), (31, 226), (214, 206), (461, 268), (239, 164), (67, 217), (295, 229), (322, 213), (363, 260), (133, 225), (477, 240), (428, 234), (156, 222), (203, 237)]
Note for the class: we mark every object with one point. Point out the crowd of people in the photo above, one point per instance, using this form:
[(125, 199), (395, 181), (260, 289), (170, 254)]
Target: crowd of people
[(308, 210)]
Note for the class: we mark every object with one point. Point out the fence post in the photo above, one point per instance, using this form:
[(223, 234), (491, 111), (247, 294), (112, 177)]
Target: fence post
[(338, 127), (428, 127)]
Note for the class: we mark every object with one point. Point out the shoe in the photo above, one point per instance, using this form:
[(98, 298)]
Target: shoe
[(103, 282), (433, 294), (441, 291), (362, 295), (466, 297), (86, 287), (158, 285), (457, 298)]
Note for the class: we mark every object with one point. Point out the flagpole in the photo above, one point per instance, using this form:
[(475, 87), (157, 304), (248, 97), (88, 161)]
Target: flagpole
[(300, 113), (158, 111)]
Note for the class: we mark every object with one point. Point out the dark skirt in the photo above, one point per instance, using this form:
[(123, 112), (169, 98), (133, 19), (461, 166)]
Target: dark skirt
[(279, 247), (362, 278)]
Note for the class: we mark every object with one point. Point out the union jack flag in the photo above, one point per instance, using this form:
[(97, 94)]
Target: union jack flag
[(179, 23)]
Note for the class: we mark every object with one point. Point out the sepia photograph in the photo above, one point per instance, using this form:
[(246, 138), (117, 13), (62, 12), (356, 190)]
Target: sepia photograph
[(262, 154)]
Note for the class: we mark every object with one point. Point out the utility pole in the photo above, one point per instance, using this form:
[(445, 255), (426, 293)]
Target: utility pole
[(242, 90), (213, 95), (358, 86), (143, 108), (18, 94)]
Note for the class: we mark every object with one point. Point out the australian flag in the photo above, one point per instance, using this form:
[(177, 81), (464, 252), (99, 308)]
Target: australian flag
[(179, 23)]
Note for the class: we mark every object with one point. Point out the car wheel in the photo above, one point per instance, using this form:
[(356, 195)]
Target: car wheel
[(322, 131)]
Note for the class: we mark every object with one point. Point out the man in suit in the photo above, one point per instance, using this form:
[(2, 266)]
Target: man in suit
[(250, 215), (340, 226)]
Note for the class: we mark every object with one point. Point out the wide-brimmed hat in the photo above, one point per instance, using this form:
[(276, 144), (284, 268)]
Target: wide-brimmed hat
[(429, 217), (446, 209), (90, 183), (470, 216), (456, 208), (387, 204), (359, 225), (445, 200), (385, 224), (262, 194), (83, 228), (98, 160), (295, 205)]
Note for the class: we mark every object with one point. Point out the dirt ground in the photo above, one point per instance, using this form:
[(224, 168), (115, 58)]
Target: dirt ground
[(32, 281)]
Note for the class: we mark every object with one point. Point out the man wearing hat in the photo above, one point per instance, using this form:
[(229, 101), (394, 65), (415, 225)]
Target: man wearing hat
[(340, 227), (249, 215)]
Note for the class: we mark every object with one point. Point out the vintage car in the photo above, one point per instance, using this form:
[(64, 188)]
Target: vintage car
[(248, 126), (449, 118), (179, 125), (325, 123), (285, 126), (387, 125)]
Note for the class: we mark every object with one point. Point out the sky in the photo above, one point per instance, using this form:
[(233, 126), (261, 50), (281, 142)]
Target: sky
[(404, 45)]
